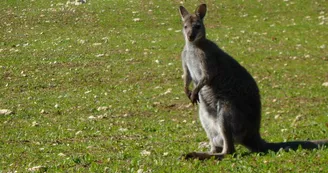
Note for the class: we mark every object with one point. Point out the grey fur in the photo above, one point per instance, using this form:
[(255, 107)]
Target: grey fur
[(228, 96)]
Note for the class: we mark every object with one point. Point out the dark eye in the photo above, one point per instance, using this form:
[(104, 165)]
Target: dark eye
[(185, 27)]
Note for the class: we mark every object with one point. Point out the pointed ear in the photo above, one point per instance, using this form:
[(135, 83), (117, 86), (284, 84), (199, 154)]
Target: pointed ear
[(183, 12), (201, 11)]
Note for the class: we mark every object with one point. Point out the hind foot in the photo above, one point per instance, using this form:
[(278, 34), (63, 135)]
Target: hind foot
[(203, 156)]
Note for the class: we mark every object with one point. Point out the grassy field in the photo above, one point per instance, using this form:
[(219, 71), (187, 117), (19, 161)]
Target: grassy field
[(97, 87)]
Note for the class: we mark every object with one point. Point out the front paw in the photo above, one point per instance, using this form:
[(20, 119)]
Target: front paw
[(194, 98), (187, 92)]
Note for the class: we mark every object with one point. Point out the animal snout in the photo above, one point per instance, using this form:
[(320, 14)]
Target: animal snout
[(191, 37)]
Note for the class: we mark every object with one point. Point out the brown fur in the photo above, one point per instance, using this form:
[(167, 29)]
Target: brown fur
[(228, 96)]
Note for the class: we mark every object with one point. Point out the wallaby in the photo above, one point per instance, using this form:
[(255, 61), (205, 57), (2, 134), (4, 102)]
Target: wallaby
[(228, 96)]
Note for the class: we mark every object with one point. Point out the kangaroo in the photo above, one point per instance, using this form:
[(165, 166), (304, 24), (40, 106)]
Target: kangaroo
[(227, 95)]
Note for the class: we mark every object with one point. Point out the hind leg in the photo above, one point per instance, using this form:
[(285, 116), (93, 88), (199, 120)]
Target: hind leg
[(207, 119), (225, 129), (217, 144), (219, 133)]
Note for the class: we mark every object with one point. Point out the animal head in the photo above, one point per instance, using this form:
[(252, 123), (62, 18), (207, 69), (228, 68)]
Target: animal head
[(193, 27)]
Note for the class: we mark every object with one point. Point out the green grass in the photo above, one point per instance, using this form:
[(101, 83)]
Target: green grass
[(60, 63)]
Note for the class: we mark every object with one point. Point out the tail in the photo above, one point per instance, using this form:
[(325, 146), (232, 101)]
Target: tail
[(294, 145)]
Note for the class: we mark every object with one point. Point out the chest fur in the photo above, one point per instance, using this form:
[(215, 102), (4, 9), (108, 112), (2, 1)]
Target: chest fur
[(194, 59)]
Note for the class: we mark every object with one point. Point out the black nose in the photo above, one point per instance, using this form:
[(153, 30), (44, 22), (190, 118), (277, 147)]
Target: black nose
[(191, 37)]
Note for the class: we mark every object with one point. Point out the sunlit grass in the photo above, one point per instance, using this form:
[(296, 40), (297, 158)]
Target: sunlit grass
[(97, 87)]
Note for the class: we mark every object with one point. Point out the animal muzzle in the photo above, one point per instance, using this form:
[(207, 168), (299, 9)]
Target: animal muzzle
[(192, 37)]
